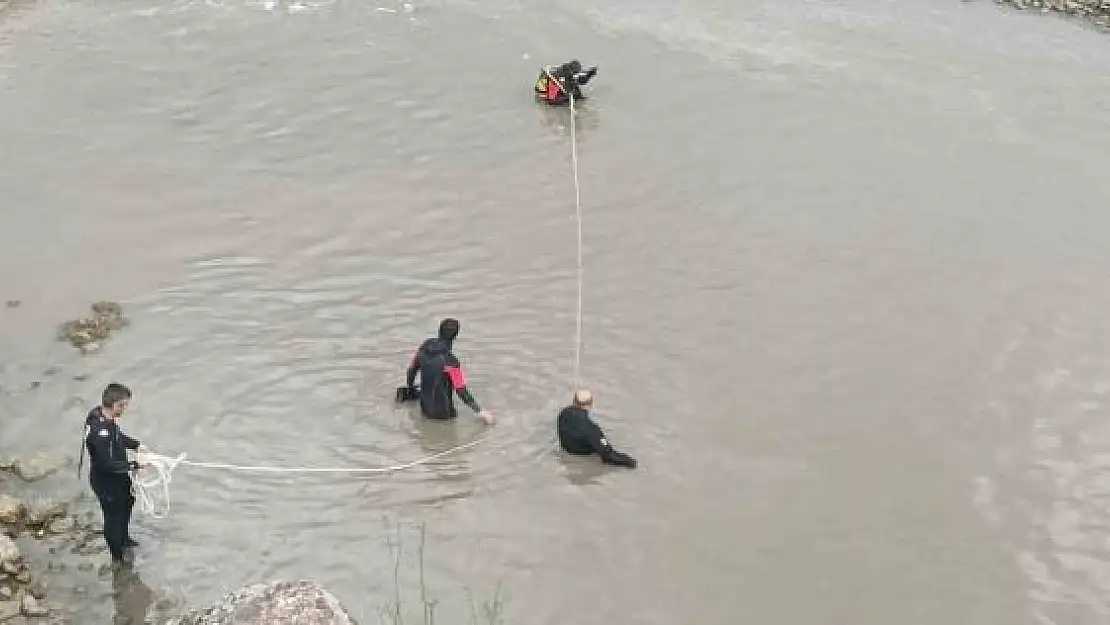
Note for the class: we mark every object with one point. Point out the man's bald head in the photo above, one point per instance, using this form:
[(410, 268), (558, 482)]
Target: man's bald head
[(583, 398)]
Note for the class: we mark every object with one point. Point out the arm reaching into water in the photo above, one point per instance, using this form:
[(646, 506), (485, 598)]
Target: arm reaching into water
[(593, 433), (458, 383), (410, 373)]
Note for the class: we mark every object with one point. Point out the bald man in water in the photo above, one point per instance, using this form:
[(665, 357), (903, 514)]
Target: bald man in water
[(579, 435)]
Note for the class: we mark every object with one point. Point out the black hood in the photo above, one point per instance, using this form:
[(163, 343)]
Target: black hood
[(448, 329)]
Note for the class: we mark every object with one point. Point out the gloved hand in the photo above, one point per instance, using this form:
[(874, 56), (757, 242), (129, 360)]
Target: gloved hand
[(407, 393)]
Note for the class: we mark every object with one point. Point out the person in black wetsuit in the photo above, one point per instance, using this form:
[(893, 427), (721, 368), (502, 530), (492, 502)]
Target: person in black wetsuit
[(579, 435), (441, 375), (109, 469), (554, 82)]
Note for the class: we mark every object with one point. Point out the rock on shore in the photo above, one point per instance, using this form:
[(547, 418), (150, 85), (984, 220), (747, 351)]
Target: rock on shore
[(20, 591), (1095, 10), (36, 518), (291, 603)]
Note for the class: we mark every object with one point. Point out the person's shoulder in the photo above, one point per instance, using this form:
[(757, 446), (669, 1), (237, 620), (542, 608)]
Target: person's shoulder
[(93, 416)]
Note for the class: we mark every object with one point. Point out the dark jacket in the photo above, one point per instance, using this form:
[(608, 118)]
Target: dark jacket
[(579, 435), (107, 446)]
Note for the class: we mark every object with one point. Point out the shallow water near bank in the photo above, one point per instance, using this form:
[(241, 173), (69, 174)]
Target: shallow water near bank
[(844, 298)]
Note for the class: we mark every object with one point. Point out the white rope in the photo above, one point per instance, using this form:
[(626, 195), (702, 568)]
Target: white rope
[(578, 222), (143, 482)]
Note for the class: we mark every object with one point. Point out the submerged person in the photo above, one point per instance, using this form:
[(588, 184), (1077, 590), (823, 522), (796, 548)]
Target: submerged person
[(109, 469), (554, 83), (441, 375), (579, 435)]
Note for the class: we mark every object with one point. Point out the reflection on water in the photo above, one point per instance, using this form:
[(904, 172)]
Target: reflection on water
[(133, 599)]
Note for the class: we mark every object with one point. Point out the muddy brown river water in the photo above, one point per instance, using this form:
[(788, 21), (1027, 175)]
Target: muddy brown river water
[(847, 283)]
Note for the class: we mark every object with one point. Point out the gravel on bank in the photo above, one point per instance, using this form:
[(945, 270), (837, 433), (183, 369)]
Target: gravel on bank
[(1096, 11)]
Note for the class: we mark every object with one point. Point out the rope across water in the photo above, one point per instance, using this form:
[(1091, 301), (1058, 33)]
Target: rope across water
[(578, 261), (157, 470)]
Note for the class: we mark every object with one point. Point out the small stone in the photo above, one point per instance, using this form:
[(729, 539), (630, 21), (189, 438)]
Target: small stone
[(38, 587), (6, 593), (23, 577), (62, 525), (13, 303), (105, 570), (12, 510), (32, 608), (50, 371), (41, 512), (55, 567), (36, 384), (85, 566), (9, 554)]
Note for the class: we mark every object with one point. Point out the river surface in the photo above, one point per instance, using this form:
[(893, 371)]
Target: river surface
[(847, 284)]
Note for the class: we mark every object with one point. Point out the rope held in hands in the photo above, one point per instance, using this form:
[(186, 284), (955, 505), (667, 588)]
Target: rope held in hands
[(157, 470)]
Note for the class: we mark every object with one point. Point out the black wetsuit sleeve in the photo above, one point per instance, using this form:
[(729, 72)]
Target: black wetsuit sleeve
[(584, 77), (468, 399), (101, 454), (603, 448), (410, 373), (128, 442), (455, 374)]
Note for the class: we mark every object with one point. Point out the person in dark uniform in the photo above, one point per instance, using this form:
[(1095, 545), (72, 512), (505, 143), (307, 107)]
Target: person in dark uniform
[(109, 469), (554, 83), (579, 435), (441, 375)]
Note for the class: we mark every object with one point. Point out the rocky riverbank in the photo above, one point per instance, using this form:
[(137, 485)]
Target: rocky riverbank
[(42, 538), (1097, 11), (47, 525)]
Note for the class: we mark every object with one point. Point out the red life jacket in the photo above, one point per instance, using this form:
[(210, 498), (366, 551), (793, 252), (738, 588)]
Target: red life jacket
[(553, 91)]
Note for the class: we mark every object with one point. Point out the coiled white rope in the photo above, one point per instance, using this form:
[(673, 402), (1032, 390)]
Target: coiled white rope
[(157, 470)]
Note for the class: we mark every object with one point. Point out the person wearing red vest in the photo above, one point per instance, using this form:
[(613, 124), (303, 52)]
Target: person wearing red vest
[(555, 85)]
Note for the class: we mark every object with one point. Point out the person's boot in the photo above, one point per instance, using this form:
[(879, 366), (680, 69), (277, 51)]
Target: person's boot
[(130, 543)]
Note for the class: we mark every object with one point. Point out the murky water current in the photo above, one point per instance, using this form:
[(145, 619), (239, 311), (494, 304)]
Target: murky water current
[(847, 283)]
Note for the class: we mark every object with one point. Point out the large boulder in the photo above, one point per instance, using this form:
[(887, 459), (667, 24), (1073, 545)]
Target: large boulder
[(36, 467), (287, 602)]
